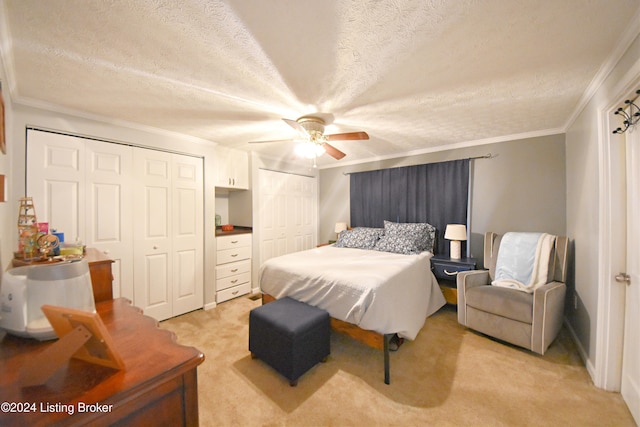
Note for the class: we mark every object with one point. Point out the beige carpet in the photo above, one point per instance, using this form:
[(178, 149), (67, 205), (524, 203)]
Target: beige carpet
[(448, 376)]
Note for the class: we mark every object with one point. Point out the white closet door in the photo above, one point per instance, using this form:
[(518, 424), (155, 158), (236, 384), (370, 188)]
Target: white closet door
[(56, 181), (109, 216), (273, 215), (302, 212), (152, 230), (288, 213), (187, 234)]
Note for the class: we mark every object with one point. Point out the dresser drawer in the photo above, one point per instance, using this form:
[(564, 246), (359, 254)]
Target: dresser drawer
[(233, 241), (233, 292), (227, 270), (230, 281), (449, 271), (232, 255)]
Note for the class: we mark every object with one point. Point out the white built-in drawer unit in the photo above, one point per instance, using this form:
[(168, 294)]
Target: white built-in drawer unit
[(233, 266)]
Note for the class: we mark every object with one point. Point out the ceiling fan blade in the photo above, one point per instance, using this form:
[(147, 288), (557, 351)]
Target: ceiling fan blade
[(333, 151), (349, 136), (273, 140), (297, 126)]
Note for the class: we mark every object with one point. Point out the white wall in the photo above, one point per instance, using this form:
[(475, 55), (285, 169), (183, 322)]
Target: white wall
[(584, 152)]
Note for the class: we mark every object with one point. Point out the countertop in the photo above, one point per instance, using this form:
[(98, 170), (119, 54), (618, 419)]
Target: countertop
[(237, 229)]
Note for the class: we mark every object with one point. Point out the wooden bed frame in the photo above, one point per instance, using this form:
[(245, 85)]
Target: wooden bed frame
[(372, 339)]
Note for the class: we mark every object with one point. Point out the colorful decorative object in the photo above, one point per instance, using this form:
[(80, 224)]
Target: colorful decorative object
[(27, 228)]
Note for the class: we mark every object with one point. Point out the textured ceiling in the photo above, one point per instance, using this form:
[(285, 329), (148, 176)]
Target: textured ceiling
[(415, 75)]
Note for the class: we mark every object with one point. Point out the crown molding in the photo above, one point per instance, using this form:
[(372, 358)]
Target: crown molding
[(53, 108), (626, 39), (454, 146)]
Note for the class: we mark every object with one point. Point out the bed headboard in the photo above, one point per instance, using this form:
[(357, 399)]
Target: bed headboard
[(437, 193)]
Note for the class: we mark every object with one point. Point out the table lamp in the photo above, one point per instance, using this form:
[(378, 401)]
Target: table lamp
[(456, 233), (340, 226)]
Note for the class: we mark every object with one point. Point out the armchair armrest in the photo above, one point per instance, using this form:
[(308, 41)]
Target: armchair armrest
[(467, 280), (548, 315)]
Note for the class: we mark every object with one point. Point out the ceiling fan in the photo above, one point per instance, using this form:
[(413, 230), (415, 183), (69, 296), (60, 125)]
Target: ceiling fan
[(313, 140)]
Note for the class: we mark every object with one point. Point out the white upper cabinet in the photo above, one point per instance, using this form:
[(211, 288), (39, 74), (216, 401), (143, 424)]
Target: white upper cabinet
[(232, 168)]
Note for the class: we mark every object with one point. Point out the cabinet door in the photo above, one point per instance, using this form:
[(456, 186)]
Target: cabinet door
[(187, 234), (223, 176), (232, 168), (56, 181), (152, 233), (109, 216), (239, 161)]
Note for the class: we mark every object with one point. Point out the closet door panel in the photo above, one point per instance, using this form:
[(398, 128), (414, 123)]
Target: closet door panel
[(157, 287), (273, 215), (152, 233), (109, 213), (301, 201), (188, 232), (287, 211), (55, 181)]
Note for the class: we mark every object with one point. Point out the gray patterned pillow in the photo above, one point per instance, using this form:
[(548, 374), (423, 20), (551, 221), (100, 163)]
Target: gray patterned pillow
[(406, 245), (359, 238), (407, 238)]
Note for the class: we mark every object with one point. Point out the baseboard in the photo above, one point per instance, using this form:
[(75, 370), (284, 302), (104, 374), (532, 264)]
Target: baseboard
[(210, 305), (581, 351)]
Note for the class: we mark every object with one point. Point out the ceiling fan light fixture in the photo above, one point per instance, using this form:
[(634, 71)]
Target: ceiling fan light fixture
[(309, 150)]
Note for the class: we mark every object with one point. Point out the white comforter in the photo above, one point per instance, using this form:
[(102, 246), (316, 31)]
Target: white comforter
[(378, 291)]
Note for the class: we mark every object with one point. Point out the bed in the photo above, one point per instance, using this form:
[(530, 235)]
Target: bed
[(371, 294)]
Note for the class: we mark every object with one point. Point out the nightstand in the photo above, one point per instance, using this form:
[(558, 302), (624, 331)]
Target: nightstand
[(446, 271)]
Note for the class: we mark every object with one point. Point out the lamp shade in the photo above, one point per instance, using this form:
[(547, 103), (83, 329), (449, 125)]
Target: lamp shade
[(340, 226), (455, 232)]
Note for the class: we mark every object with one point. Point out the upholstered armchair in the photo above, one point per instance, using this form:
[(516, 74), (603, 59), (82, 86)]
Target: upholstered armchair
[(529, 320)]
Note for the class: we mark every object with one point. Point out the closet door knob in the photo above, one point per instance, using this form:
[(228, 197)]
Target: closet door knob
[(155, 247)]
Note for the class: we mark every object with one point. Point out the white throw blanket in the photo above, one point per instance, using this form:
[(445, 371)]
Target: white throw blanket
[(523, 261)]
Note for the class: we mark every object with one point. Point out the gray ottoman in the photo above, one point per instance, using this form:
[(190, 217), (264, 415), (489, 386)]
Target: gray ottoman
[(290, 336)]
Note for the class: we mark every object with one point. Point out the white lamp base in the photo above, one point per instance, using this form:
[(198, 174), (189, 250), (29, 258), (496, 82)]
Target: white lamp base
[(454, 252)]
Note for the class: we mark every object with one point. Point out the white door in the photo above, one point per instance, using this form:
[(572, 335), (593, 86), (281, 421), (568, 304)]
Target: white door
[(152, 231), (273, 214), (56, 181), (630, 387), (302, 212), (109, 214), (187, 234)]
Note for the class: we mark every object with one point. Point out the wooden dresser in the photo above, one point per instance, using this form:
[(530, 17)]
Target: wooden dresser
[(158, 386)]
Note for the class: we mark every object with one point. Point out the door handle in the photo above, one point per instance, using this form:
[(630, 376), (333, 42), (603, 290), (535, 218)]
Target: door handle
[(623, 278)]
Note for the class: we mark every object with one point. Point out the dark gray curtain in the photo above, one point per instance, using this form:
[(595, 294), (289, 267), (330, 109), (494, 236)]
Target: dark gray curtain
[(437, 193)]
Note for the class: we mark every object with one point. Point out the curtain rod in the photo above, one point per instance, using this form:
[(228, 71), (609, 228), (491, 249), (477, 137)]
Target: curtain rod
[(486, 156)]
